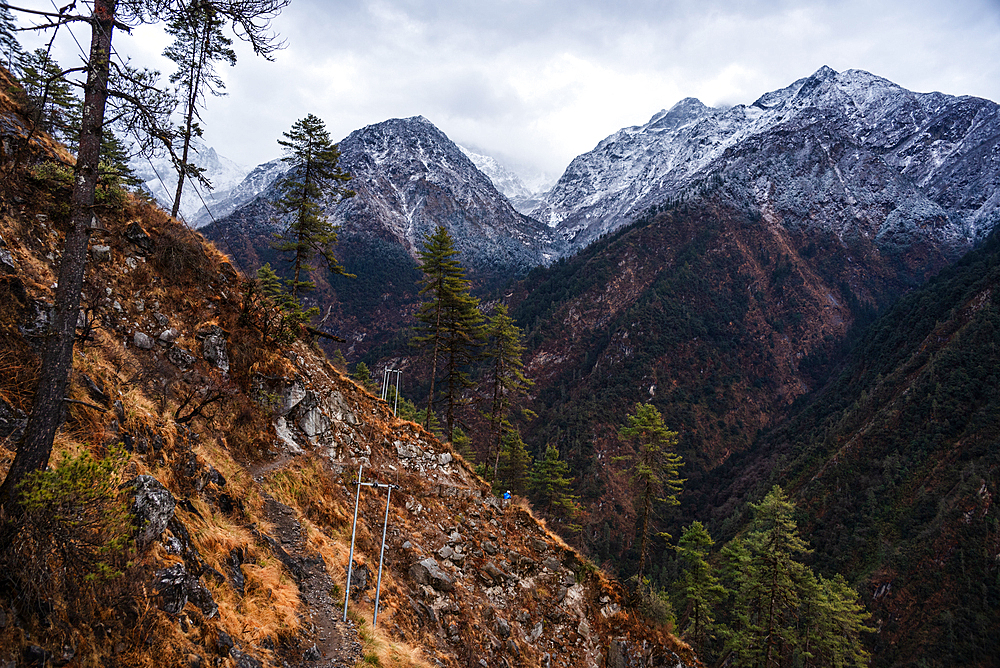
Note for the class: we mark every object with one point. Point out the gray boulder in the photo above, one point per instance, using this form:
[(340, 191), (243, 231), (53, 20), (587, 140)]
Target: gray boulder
[(138, 237), (428, 572), (407, 450), (175, 587), (142, 341), (7, 263), (245, 660), (214, 350), (100, 253), (180, 358), (169, 335), (492, 572), (153, 508)]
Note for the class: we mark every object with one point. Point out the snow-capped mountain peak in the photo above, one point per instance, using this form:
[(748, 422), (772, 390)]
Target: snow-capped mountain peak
[(912, 156)]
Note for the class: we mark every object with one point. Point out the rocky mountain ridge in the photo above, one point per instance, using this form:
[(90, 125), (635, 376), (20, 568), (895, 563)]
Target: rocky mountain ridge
[(409, 178), (849, 151), (520, 195)]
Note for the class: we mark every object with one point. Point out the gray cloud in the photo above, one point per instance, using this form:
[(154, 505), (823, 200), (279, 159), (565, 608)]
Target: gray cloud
[(540, 81)]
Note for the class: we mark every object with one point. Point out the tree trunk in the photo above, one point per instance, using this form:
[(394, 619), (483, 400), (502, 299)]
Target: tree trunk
[(57, 358), (496, 418), (434, 358), (647, 508)]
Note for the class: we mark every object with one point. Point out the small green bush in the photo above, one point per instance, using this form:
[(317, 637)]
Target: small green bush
[(76, 538)]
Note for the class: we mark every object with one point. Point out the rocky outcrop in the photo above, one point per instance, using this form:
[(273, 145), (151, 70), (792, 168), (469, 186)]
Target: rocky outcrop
[(175, 587), (428, 572), (153, 508)]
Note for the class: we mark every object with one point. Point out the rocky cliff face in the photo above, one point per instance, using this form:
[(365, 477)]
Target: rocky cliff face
[(847, 152)]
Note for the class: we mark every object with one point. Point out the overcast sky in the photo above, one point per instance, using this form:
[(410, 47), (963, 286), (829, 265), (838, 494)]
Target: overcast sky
[(535, 83)]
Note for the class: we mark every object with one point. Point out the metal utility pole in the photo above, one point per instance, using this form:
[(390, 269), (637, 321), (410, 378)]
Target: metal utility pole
[(385, 527), (381, 554), (354, 529), (387, 385)]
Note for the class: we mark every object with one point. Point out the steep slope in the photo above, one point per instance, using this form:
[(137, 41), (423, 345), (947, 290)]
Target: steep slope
[(895, 467), (409, 178), (239, 458), (845, 151), (718, 315)]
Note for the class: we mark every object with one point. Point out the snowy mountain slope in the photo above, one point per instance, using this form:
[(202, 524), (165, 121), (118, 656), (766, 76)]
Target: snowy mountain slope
[(223, 203), (409, 178), (521, 196), (927, 161), (160, 179)]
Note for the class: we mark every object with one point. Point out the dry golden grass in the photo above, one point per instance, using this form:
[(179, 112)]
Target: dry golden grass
[(309, 487), (18, 373), (378, 649), (270, 608)]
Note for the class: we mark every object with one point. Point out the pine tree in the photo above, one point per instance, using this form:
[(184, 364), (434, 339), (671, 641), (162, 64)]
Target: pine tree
[(768, 592), (514, 464), (655, 468), (450, 329), (549, 484), (198, 44), (700, 591), (51, 100), (10, 48), (364, 377), (283, 320), (313, 181), (780, 610), (506, 379), (833, 623)]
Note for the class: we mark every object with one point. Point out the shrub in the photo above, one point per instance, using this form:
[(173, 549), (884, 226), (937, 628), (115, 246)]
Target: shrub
[(76, 536)]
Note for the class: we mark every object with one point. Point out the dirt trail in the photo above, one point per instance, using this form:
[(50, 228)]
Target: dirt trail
[(327, 641)]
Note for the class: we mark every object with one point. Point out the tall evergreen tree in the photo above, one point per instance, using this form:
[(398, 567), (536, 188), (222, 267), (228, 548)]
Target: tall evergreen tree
[(450, 329), (549, 484), (768, 593), (780, 610), (198, 44), (506, 379), (700, 591), (314, 180), (655, 467), (10, 48)]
